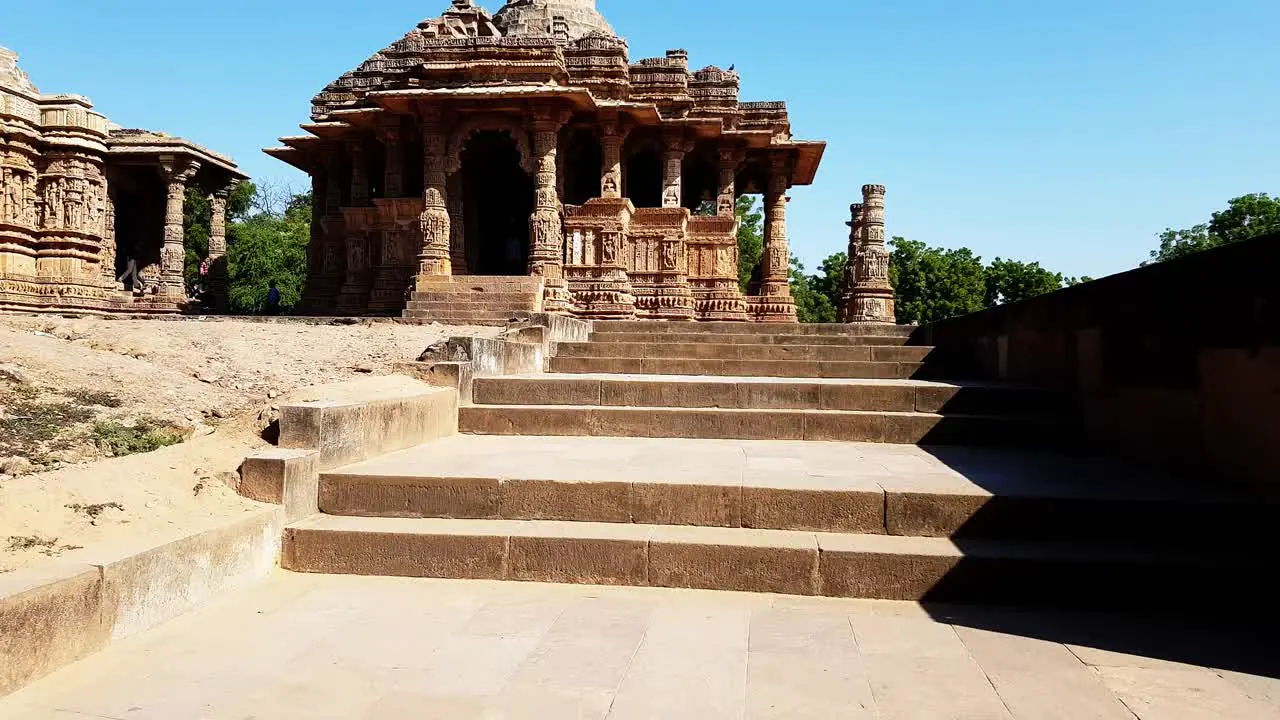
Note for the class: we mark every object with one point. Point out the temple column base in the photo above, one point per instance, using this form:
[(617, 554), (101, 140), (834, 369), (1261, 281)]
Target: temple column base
[(771, 309), (391, 288)]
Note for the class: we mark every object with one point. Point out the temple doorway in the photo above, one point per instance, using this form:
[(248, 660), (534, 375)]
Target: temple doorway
[(138, 194), (642, 178), (497, 200)]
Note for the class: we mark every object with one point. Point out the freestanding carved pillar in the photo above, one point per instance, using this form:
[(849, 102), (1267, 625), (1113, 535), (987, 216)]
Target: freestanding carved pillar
[(218, 276), (177, 171), (546, 256), (675, 147), (872, 292), (457, 226), (851, 266), (433, 255), (775, 303), (611, 145)]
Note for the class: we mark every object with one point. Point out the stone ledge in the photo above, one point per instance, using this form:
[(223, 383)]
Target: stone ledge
[(56, 614), (354, 421)]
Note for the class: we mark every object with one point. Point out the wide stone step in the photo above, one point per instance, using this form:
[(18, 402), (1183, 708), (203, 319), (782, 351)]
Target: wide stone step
[(496, 316), (514, 298), (737, 328), (450, 306), (717, 351), (739, 368), (766, 393), (747, 338), (482, 283), (754, 424), (457, 319), (765, 561), (829, 487)]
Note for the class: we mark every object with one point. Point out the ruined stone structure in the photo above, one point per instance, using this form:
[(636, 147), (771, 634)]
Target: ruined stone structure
[(527, 143), (80, 198), (868, 294)]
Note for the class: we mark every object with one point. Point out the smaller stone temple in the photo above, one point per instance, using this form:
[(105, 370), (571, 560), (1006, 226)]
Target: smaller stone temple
[(83, 202), (527, 145)]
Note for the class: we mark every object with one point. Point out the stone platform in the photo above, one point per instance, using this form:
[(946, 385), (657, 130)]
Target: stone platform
[(319, 647)]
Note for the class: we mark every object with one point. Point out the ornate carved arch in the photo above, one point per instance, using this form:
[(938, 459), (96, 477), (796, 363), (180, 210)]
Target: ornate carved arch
[(465, 130)]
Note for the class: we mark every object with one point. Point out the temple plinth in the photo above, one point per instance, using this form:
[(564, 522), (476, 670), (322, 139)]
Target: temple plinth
[(539, 154)]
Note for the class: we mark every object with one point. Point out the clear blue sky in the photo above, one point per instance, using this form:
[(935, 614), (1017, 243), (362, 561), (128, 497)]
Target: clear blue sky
[(1065, 132)]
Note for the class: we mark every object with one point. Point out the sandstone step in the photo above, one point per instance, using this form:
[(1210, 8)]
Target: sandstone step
[(718, 351), (748, 338), (469, 315), (457, 319), (766, 393), (738, 368), (765, 561), (514, 298), (829, 487), (450, 306), (754, 424), (738, 328), (481, 283)]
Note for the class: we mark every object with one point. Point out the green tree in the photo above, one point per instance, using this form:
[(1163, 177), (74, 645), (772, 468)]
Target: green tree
[(1245, 218), (935, 283), (1180, 243), (1009, 281), (750, 239), (812, 306), (196, 211), (832, 280), (269, 246)]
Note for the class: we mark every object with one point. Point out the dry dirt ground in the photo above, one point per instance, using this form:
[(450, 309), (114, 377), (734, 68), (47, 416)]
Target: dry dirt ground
[(76, 392)]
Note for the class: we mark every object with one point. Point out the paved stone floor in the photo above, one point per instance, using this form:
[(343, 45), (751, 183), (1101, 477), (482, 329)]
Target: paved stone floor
[(345, 647)]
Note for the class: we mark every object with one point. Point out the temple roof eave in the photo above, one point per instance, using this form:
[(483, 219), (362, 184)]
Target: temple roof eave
[(135, 152), (292, 156)]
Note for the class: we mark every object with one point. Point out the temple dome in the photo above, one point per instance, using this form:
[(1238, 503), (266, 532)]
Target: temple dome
[(533, 18)]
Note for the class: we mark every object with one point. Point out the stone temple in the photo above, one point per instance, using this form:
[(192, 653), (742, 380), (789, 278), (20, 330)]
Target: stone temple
[(80, 198), (527, 146)]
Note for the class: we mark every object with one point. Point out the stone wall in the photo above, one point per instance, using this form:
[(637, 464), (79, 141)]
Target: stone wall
[(1177, 363)]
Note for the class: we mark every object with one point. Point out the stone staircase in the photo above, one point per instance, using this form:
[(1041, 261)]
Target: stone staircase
[(786, 459), (474, 299)]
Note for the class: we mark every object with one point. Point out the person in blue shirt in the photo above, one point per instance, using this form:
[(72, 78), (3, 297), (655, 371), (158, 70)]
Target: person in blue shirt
[(273, 300)]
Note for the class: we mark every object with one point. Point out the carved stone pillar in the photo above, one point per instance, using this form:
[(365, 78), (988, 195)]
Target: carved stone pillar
[(611, 146), (727, 198), (872, 296), (434, 256), (457, 226), (675, 147), (328, 236), (393, 175), (546, 255), (176, 171), (359, 174), (218, 276), (774, 303), (851, 267)]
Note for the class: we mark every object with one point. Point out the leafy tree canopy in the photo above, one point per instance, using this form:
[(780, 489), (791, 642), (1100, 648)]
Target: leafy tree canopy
[(268, 231), (750, 239), (1245, 218)]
